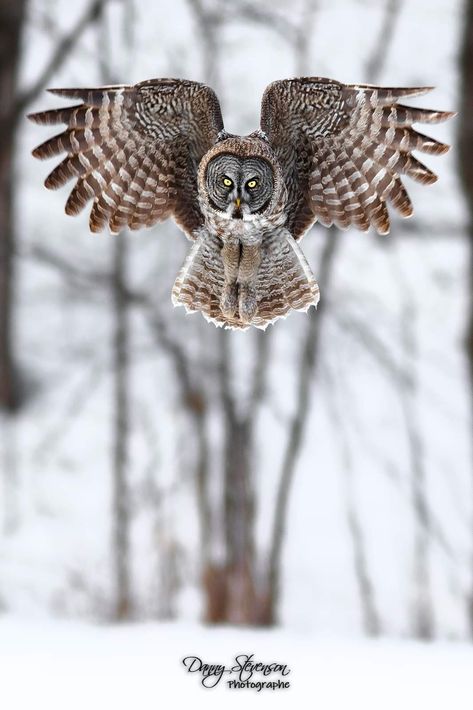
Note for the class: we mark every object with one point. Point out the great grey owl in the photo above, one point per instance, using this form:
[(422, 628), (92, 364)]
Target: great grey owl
[(326, 152)]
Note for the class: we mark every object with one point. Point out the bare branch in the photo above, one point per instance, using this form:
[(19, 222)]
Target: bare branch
[(208, 23), (296, 34), (371, 617), (298, 423), (402, 379), (305, 368), (303, 35), (195, 403), (377, 60), (80, 396), (60, 53), (82, 276), (260, 374), (280, 24), (423, 614)]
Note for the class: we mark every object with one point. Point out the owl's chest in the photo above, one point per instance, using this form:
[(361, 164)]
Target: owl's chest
[(249, 232)]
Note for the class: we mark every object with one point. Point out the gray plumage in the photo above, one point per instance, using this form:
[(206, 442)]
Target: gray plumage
[(325, 152)]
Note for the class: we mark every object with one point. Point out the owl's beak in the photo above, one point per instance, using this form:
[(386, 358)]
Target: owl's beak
[(237, 213)]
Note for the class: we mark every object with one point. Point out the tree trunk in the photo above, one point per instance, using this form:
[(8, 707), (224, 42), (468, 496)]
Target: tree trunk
[(239, 527), (465, 153), (231, 587), (122, 605), (121, 515), (11, 21), (423, 619)]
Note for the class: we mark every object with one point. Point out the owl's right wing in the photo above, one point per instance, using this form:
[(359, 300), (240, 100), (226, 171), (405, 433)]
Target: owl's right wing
[(343, 148), (134, 151)]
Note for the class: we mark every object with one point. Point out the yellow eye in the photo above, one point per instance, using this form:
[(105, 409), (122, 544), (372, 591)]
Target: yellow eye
[(251, 184), (227, 182)]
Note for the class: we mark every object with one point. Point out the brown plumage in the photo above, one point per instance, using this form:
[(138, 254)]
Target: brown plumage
[(326, 152), (134, 151)]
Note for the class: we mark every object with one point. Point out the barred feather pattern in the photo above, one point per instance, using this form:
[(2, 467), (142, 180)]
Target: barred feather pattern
[(284, 282), (134, 151), (343, 149)]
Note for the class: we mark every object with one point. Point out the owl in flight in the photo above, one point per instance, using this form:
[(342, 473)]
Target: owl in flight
[(325, 151)]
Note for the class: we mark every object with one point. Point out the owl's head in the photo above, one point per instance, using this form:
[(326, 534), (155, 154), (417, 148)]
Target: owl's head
[(240, 178), (239, 186)]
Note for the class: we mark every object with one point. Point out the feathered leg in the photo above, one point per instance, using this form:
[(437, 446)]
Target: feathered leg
[(273, 278), (250, 261), (231, 259)]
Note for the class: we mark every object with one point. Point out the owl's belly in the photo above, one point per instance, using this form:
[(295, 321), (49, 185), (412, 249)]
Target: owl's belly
[(249, 233)]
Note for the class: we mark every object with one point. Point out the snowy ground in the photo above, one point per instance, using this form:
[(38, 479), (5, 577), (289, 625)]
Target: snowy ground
[(62, 665)]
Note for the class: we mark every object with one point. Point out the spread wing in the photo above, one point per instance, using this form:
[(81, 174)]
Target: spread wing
[(343, 148), (133, 151)]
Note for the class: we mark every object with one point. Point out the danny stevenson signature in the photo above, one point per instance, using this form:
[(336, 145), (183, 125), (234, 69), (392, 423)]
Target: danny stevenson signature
[(243, 672)]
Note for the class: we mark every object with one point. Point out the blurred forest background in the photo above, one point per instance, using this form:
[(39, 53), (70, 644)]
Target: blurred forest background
[(317, 475)]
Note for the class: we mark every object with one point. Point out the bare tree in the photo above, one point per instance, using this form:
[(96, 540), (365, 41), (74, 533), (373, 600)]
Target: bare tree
[(11, 23), (121, 425), (369, 609), (122, 605), (231, 585), (241, 597), (423, 623), (12, 105), (309, 357), (194, 398), (244, 595), (465, 164)]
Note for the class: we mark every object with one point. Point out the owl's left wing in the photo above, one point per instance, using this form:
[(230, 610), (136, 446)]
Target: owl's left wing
[(134, 151), (342, 149)]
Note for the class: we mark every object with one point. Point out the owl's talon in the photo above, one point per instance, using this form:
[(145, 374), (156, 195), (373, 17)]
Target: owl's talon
[(247, 304), (229, 300)]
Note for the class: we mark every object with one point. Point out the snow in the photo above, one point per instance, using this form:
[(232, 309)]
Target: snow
[(74, 665)]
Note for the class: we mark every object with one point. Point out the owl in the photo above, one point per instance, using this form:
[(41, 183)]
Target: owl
[(325, 151)]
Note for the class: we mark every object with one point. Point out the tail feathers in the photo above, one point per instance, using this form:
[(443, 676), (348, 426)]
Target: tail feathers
[(199, 284), (284, 282)]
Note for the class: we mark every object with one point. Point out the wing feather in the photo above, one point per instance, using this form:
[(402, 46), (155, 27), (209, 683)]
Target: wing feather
[(351, 145), (133, 151)]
